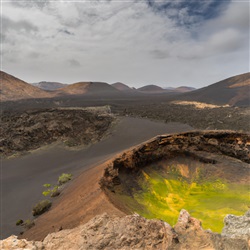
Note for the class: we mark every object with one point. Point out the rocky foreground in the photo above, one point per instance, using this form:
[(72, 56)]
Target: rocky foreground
[(136, 232)]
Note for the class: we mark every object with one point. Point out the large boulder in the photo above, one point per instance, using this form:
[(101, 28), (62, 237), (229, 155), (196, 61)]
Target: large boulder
[(237, 226)]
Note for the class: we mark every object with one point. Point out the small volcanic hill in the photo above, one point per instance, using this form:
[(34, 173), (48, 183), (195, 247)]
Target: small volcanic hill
[(183, 89), (152, 89), (81, 88), (12, 89), (49, 85), (232, 91), (121, 86)]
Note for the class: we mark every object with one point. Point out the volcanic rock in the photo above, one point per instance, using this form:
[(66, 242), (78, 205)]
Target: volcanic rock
[(23, 131), (237, 226), (197, 144), (135, 232)]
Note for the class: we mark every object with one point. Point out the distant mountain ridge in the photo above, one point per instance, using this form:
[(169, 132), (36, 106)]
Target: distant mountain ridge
[(232, 91), (87, 88), (49, 85), (183, 89), (152, 89), (158, 89)]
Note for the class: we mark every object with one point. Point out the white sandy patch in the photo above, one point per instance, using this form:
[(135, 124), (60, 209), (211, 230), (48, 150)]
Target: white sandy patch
[(199, 105)]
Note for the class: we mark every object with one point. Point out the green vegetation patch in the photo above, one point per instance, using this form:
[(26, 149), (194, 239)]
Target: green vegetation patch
[(28, 224), (19, 222), (208, 200), (41, 207), (63, 178), (53, 192)]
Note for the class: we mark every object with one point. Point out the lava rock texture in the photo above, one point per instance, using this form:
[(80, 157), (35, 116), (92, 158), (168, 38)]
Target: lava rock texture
[(201, 145), (23, 131)]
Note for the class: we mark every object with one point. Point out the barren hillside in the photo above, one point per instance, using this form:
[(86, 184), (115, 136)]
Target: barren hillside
[(233, 91), (12, 88)]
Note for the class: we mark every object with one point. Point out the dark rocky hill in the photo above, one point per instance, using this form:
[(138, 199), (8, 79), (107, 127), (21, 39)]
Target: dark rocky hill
[(152, 89), (233, 91), (121, 86), (85, 88)]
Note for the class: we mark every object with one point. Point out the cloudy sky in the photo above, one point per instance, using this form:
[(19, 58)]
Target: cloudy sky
[(137, 42)]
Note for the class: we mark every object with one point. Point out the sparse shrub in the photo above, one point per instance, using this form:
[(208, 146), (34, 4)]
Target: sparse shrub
[(41, 207), (54, 192), (19, 222), (46, 192), (28, 224), (63, 178)]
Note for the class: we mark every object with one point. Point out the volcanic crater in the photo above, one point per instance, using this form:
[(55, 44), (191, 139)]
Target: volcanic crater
[(204, 172)]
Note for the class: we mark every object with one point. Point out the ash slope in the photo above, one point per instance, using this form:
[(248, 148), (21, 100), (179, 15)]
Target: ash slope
[(233, 91), (12, 88)]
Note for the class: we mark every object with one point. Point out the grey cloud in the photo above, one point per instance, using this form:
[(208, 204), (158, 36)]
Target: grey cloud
[(65, 31), (34, 55), (30, 4), (237, 15), (9, 24), (3, 38), (125, 41), (74, 63), (159, 54)]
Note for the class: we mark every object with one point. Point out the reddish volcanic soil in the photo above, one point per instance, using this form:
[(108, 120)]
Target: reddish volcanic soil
[(79, 203)]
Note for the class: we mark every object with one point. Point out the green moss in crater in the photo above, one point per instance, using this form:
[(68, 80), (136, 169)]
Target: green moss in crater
[(209, 201)]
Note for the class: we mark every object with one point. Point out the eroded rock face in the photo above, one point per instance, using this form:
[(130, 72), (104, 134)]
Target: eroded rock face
[(13, 243), (190, 234), (201, 145), (135, 232), (237, 226), (103, 232)]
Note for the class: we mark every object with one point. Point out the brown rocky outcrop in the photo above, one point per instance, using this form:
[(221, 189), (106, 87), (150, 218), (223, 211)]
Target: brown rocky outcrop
[(134, 232), (200, 145), (237, 226)]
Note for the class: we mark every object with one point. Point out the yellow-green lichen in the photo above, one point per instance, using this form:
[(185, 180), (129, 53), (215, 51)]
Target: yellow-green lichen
[(209, 200)]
